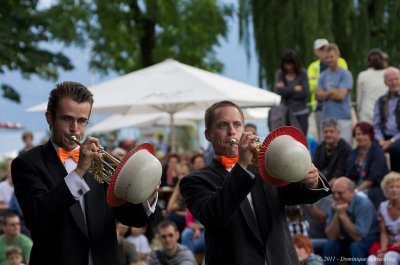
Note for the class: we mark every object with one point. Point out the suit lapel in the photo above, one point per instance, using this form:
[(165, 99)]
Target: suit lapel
[(250, 219), (245, 207), (261, 208), (58, 173), (53, 163)]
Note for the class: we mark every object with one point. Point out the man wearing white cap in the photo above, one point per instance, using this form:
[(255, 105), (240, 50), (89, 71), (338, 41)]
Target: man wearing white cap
[(313, 71), (244, 216)]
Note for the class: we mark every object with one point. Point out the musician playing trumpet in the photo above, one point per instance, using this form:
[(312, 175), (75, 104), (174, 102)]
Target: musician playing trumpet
[(64, 207), (244, 217)]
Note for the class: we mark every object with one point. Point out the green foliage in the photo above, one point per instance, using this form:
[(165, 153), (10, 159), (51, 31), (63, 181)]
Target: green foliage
[(356, 26), (128, 35), (22, 29), (186, 139)]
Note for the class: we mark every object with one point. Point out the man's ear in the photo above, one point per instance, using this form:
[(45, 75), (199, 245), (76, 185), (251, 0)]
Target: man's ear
[(207, 135), (49, 118)]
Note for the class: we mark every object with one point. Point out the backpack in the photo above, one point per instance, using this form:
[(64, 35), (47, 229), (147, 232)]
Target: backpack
[(281, 115)]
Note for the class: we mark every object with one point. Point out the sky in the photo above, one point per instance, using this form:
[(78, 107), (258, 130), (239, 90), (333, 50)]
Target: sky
[(35, 91)]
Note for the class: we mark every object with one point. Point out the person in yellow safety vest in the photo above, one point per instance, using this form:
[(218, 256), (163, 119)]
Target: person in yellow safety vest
[(316, 67)]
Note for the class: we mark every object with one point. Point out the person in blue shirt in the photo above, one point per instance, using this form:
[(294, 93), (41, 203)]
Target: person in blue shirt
[(334, 89), (352, 225)]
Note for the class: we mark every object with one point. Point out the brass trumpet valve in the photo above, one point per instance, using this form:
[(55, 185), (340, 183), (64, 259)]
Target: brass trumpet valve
[(254, 160), (101, 169)]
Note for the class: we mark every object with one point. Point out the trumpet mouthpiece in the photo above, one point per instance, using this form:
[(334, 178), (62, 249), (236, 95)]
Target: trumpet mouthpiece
[(233, 141), (74, 139)]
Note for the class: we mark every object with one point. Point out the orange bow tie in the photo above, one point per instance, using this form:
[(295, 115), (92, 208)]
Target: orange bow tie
[(64, 154), (227, 162)]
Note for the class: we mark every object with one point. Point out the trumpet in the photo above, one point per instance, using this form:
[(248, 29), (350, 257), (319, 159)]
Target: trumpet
[(283, 157), (256, 151), (101, 169)]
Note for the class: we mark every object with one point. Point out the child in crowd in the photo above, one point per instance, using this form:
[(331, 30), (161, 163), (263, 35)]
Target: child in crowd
[(296, 223), (304, 250), (14, 255), (141, 242)]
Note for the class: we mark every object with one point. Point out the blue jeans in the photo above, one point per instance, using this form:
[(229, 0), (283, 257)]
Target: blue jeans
[(196, 245), (336, 250), (318, 245)]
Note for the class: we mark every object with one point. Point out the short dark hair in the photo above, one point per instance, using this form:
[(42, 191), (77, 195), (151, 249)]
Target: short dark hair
[(8, 216), (210, 112), (74, 90), (375, 59), (193, 158), (165, 223), (290, 57), (250, 125), (366, 128)]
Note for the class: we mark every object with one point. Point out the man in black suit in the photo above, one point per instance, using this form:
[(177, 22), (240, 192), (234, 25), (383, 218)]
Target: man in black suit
[(244, 217), (64, 207)]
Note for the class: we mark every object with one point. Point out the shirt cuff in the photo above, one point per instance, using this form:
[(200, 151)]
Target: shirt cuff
[(150, 209), (323, 185), (248, 172), (76, 185)]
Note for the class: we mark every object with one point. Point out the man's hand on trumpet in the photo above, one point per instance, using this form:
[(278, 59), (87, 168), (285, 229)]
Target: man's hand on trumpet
[(246, 148), (87, 152)]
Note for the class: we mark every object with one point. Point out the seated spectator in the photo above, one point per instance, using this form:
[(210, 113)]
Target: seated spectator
[(331, 154), (171, 252), (316, 215), (14, 255), (6, 189), (129, 255), (140, 241), (12, 236), (304, 249), (352, 225), (118, 152), (15, 208), (169, 174), (250, 127), (193, 234), (386, 118), (197, 162), (176, 205), (366, 164), (387, 249), (296, 223)]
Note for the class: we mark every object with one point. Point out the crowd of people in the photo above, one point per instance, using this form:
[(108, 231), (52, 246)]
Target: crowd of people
[(211, 206)]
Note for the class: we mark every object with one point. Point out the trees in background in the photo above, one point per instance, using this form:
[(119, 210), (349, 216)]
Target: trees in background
[(127, 35), (124, 35), (356, 26), (22, 30)]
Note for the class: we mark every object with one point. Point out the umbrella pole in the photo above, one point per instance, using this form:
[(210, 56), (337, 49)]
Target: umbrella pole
[(173, 149)]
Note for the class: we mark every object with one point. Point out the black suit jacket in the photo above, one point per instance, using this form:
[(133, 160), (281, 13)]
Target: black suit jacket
[(55, 219), (234, 234)]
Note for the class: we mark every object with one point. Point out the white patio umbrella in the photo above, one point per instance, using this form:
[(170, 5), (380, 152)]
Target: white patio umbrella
[(172, 87), (119, 121)]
